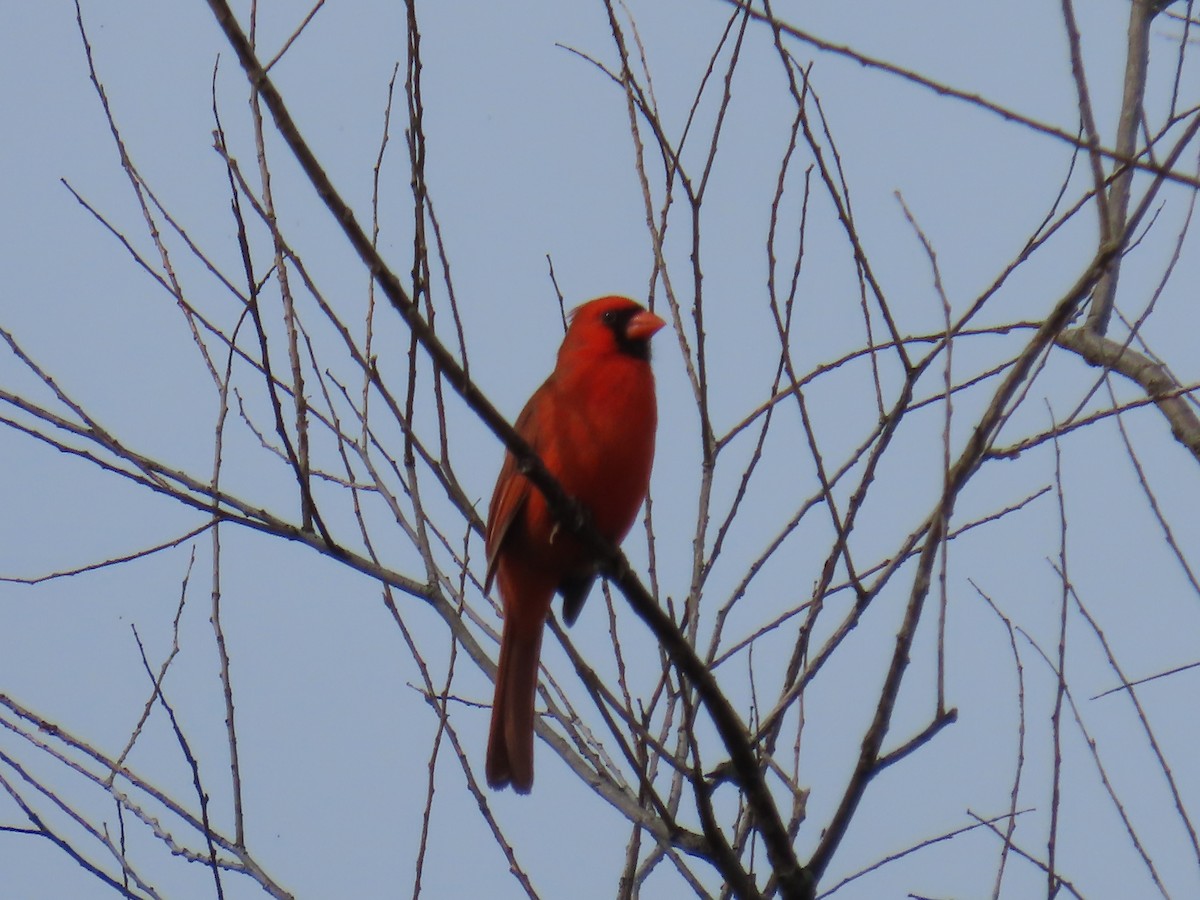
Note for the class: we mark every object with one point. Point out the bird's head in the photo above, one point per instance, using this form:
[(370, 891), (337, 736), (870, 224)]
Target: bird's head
[(612, 324)]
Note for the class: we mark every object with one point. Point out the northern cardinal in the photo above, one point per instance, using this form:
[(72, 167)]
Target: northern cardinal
[(592, 424)]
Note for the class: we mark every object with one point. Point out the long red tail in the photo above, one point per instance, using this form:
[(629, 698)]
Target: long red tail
[(510, 740)]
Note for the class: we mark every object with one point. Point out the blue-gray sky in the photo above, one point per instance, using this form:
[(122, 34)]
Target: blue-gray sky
[(529, 155)]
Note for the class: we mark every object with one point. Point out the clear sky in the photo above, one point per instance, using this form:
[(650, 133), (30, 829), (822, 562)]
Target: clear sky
[(529, 155)]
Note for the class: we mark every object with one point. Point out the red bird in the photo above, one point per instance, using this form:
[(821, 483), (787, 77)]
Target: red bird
[(592, 424)]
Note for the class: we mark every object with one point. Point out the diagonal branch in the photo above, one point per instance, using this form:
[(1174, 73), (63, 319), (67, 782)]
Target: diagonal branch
[(794, 879), (1160, 387)]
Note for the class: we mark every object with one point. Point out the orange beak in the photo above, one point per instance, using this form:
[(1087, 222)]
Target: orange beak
[(644, 325)]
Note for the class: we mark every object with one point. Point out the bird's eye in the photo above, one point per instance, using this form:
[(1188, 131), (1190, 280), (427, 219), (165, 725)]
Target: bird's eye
[(609, 316)]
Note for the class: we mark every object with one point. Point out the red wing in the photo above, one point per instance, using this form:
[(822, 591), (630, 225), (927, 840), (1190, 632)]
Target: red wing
[(512, 489)]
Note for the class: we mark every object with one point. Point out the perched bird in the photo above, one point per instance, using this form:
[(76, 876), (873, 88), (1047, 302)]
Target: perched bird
[(592, 424)]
